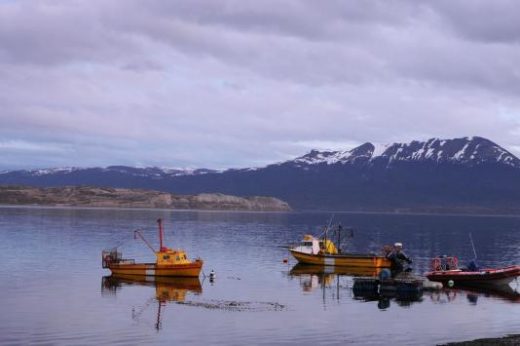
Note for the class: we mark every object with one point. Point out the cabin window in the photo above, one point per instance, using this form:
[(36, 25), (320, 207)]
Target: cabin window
[(306, 243), (166, 257)]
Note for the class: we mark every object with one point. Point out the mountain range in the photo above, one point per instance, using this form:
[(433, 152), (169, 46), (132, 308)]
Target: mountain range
[(462, 174)]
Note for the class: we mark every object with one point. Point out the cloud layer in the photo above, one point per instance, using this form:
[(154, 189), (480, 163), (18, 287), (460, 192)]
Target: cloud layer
[(242, 83)]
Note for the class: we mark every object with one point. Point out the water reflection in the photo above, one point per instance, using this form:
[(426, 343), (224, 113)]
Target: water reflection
[(332, 279), (403, 296), (334, 282), (309, 269), (444, 296), (312, 277), (167, 290), (473, 294)]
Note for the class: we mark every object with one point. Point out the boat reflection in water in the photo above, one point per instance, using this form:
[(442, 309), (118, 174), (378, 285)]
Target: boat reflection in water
[(314, 276), (334, 280), (167, 290), (406, 297), (340, 279), (472, 295)]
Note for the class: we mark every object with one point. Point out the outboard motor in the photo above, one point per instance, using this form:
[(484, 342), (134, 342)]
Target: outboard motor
[(473, 267)]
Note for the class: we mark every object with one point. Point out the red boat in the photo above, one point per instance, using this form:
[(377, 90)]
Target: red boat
[(446, 269)]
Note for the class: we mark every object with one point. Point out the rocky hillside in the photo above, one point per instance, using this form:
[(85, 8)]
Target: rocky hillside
[(86, 196)]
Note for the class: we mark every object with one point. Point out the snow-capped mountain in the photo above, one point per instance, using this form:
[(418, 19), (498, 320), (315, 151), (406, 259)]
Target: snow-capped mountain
[(467, 150), (470, 172)]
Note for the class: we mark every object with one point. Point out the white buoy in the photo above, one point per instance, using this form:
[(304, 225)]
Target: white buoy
[(451, 283)]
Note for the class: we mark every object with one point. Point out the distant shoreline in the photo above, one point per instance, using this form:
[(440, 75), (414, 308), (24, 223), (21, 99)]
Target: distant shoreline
[(107, 197), (353, 212)]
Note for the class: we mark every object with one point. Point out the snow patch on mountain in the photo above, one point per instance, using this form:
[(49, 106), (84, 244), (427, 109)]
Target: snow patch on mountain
[(153, 172), (379, 149), (47, 171), (188, 171), (329, 157)]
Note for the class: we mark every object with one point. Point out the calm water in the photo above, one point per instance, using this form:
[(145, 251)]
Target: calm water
[(52, 289)]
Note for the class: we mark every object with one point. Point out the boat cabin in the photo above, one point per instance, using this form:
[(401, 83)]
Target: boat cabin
[(313, 246), (169, 256)]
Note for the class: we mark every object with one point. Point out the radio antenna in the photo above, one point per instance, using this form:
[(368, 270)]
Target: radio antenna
[(473, 246)]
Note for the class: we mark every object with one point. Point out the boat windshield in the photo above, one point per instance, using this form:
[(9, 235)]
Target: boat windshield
[(306, 243)]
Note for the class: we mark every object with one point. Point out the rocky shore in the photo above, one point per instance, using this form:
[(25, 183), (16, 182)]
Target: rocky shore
[(509, 340), (89, 196)]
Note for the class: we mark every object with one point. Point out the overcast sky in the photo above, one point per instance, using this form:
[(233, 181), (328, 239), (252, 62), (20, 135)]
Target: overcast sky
[(241, 83)]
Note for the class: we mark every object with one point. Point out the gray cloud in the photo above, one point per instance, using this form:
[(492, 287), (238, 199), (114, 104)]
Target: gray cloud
[(487, 21), (240, 83)]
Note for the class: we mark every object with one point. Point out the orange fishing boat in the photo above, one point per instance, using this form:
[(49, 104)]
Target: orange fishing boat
[(169, 262), (327, 256), (323, 251)]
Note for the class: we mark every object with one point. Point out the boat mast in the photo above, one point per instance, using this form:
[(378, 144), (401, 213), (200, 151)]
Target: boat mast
[(339, 237), (161, 247)]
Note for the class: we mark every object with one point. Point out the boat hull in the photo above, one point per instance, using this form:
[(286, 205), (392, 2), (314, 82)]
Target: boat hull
[(151, 269), (484, 277), (342, 260)]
